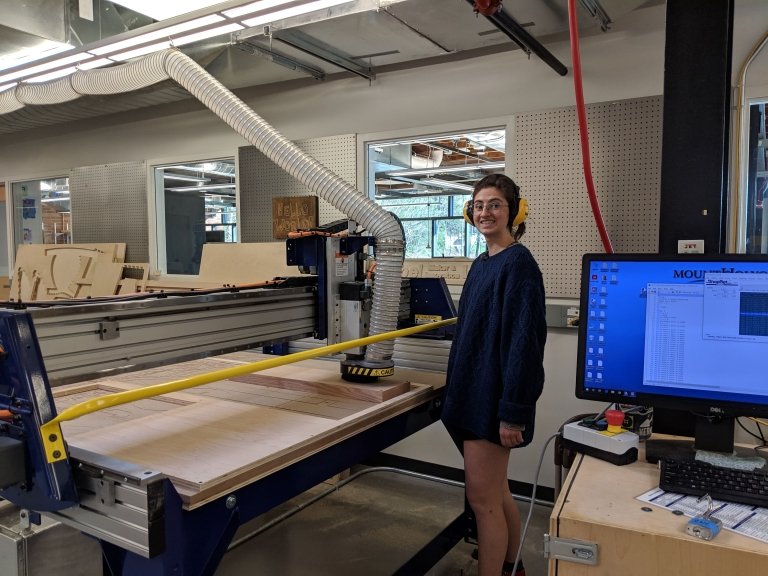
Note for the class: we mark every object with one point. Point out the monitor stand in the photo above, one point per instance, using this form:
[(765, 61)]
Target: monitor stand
[(712, 434)]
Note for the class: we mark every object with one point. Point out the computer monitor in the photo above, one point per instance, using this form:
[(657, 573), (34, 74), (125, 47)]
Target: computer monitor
[(686, 332)]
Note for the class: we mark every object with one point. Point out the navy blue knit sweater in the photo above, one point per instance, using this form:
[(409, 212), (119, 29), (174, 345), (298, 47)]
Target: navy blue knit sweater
[(496, 364)]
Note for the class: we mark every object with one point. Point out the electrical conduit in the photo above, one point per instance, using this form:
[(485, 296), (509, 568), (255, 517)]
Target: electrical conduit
[(582, 116)]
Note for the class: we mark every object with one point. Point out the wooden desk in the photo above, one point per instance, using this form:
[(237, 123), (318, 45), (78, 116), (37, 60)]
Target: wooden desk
[(598, 504)]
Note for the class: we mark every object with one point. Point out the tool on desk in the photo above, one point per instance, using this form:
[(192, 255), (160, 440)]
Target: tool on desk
[(604, 439), (704, 526)]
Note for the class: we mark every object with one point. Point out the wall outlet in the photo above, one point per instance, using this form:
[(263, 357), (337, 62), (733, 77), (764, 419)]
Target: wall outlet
[(690, 246)]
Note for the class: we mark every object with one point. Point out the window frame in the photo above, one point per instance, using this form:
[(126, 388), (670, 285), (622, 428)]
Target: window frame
[(365, 141), (156, 240)]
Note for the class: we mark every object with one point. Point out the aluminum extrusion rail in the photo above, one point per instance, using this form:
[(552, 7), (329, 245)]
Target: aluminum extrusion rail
[(80, 342)]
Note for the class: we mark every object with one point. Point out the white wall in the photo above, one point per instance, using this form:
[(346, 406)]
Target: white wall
[(627, 63)]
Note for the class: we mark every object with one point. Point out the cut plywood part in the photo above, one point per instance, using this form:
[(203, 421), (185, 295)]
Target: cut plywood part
[(106, 277), (62, 269), (127, 286), (329, 384)]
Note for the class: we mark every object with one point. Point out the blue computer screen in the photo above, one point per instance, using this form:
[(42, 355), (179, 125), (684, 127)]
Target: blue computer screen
[(674, 330)]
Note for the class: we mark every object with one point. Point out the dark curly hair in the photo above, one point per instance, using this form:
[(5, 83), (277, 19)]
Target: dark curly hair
[(511, 192)]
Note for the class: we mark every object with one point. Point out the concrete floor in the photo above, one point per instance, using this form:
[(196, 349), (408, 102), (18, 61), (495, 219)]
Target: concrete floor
[(369, 526)]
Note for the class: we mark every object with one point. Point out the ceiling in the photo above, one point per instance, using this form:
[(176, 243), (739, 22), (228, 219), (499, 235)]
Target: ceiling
[(406, 33)]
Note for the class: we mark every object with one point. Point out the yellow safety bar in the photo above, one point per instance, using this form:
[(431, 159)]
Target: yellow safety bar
[(53, 441)]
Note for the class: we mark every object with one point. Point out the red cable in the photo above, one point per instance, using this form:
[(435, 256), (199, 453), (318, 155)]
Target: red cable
[(581, 113)]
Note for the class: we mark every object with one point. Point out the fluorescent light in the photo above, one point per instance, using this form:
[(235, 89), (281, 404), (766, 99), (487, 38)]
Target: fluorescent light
[(47, 66), (143, 51), (448, 184), (462, 168), (254, 7), (181, 41), (204, 187), (53, 75), (167, 176), (98, 63), (164, 9), (58, 199), (157, 34), (293, 11), (47, 48)]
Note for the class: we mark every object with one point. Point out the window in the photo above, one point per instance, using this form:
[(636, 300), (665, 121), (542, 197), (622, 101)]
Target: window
[(196, 204), (41, 212), (756, 217), (425, 183)]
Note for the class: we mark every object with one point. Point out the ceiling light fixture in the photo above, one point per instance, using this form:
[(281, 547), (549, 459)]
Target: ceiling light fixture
[(157, 34), (292, 11), (168, 34), (183, 178), (254, 7), (448, 184), (166, 8), (448, 169), (44, 50), (47, 66), (204, 187)]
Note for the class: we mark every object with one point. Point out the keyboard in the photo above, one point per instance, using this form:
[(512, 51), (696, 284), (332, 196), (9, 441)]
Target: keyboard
[(728, 484)]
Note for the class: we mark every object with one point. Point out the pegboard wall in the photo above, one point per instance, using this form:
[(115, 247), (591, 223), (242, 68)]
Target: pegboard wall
[(109, 204), (625, 149), (260, 180)]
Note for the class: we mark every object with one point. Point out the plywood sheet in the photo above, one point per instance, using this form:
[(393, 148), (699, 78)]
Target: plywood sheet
[(244, 263), (220, 436)]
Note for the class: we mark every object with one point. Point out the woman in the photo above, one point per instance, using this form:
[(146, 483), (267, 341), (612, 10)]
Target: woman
[(495, 369)]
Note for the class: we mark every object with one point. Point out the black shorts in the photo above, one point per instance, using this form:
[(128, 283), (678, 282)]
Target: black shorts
[(459, 436)]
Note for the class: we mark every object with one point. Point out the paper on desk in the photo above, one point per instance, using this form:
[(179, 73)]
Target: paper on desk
[(746, 520)]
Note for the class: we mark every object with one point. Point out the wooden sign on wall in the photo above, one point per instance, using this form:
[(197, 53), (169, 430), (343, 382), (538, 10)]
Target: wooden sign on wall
[(293, 213)]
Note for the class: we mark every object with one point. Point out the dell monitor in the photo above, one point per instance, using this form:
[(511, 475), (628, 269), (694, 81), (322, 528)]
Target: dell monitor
[(685, 332)]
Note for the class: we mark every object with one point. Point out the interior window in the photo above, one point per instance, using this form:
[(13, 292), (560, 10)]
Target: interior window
[(757, 181), (196, 204), (41, 211), (425, 183)]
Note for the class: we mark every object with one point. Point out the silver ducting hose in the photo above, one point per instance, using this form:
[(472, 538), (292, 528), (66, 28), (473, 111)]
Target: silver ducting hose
[(390, 244)]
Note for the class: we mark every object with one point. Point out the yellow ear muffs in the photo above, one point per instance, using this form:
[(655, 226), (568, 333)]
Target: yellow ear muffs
[(522, 212), (467, 211)]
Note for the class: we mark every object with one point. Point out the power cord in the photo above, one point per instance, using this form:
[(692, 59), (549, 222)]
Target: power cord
[(533, 501)]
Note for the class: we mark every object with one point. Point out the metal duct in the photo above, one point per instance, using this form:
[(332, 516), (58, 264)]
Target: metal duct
[(173, 64)]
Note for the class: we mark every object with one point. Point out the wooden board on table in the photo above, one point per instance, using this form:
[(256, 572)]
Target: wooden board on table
[(327, 384), (218, 437)]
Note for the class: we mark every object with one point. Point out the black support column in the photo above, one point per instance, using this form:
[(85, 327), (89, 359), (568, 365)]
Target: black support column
[(695, 152)]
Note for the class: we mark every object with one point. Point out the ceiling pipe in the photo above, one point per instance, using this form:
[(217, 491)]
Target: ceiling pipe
[(520, 36)]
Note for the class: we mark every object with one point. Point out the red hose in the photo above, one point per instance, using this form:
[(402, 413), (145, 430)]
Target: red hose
[(581, 113)]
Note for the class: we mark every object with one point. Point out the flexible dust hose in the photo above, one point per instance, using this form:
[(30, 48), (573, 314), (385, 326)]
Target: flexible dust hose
[(581, 113), (390, 245), (318, 179)]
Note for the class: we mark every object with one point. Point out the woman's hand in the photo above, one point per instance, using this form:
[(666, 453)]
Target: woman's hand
[(511, 435)]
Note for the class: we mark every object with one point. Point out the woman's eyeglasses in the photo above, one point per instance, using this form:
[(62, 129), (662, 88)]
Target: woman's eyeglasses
[(492, 206)]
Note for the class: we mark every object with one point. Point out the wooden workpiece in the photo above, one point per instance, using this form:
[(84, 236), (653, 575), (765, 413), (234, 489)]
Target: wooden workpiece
[(598, 503), (214, 438)]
